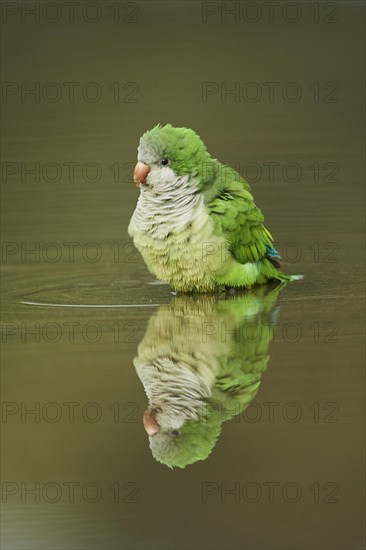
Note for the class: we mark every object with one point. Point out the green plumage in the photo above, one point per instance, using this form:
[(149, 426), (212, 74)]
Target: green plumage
[(218, 345), (222, 241)]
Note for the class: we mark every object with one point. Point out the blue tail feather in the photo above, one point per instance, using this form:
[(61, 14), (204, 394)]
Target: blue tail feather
[(272, 252)]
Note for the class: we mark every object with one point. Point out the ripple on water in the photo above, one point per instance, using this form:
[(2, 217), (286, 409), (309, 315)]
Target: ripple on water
[(102, 294)]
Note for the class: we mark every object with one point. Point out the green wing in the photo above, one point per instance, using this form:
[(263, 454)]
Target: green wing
[(239, 378), (235, 215)]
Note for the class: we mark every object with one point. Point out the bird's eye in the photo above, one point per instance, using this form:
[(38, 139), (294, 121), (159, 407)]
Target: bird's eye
[(164, 161), (175, 433)]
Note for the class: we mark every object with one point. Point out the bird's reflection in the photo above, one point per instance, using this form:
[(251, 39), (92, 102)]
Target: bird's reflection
[(201, 361)]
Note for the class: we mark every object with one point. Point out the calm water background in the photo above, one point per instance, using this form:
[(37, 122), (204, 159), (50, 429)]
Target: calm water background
[(161, 54)]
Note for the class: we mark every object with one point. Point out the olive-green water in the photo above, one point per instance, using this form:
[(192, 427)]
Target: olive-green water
[(77, 472)]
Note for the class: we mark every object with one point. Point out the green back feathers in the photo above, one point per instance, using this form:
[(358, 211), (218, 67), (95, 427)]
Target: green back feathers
[(235, 215)]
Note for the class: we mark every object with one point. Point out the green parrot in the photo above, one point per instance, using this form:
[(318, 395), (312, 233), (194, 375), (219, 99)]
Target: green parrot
[(196, 223), (200, 362)]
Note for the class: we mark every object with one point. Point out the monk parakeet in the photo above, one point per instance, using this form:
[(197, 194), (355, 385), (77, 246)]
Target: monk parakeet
[(201, 361), (196, 223)]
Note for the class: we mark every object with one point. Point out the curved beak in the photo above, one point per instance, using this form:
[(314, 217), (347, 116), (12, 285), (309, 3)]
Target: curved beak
[(150, 424), (140, 172)]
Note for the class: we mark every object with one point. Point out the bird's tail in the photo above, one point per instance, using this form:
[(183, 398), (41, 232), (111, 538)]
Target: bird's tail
[(272, 258), (270, 271)]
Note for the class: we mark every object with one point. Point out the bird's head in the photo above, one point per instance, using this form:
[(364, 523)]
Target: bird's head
[(170, 158), (193, 441)]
